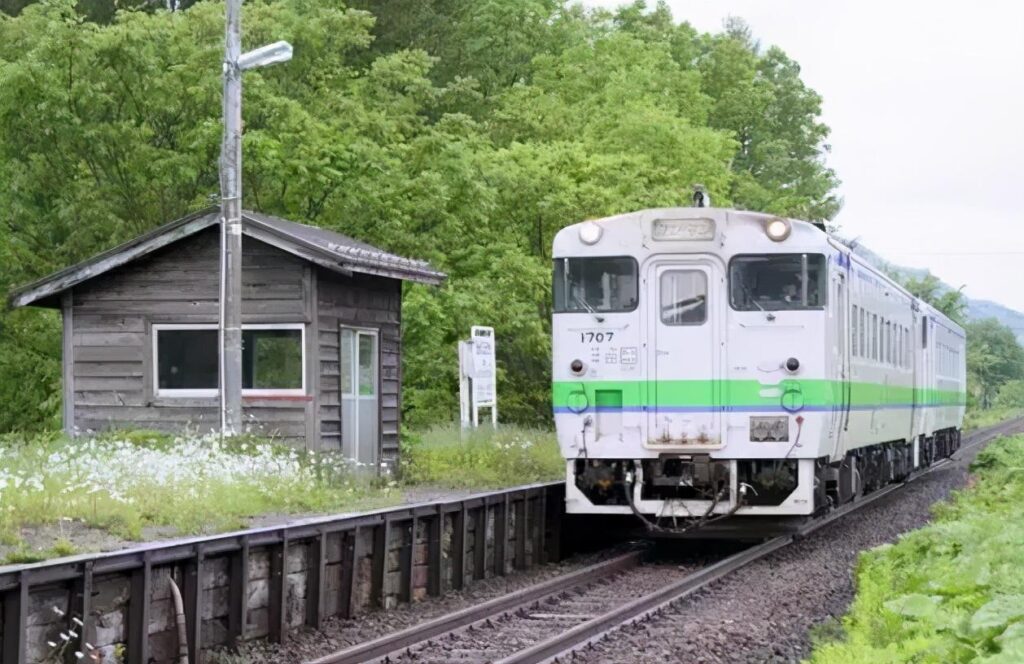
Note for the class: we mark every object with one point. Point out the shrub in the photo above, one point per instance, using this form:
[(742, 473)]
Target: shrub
[(450, 457), (954, 590)]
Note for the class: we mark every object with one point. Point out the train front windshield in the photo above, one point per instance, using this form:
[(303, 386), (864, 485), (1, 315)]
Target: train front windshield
[(604, 284), (774, 282)]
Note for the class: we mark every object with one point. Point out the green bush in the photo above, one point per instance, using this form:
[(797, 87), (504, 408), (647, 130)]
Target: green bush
[(978, 418), (952, 591), (450, 457)]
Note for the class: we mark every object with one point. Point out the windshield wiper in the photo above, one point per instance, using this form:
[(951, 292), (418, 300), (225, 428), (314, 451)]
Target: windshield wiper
[(593, 312), (750, 296)]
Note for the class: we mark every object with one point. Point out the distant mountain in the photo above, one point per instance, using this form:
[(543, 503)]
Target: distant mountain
[(1011, 318), (976, 309)]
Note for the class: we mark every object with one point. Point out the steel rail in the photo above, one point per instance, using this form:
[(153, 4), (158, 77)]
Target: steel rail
[(562, 645), (453, 622)]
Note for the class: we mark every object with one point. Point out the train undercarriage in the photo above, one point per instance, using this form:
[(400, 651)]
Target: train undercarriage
[(694, 495)]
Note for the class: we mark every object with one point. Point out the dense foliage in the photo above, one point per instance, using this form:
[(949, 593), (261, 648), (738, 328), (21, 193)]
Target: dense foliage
[(466, 132), (953, 591)]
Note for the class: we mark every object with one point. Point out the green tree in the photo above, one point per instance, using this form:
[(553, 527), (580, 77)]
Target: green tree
[(466, 132), (930, 289), (994, 358), (1011, 394)]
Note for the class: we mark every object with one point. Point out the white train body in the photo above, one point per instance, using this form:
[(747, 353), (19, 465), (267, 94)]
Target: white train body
[(702, 368)]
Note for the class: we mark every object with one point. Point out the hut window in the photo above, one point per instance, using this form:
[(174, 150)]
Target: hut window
[(186, 360), (272, 359)]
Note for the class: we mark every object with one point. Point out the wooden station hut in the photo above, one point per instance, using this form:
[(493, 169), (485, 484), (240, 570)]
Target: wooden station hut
[(321, 342)]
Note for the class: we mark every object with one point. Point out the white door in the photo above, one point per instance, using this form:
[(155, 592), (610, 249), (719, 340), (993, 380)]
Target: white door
[(360, 395), (684, 387), (840, 373)]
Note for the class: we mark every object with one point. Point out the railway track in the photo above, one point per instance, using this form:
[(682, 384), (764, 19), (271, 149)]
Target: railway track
[(549, 621)]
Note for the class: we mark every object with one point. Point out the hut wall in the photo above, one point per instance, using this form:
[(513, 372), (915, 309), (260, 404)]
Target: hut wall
[(112, 336), (359, 301)]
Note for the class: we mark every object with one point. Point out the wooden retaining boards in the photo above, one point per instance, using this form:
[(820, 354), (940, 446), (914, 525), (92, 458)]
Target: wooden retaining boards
[(189, 556)]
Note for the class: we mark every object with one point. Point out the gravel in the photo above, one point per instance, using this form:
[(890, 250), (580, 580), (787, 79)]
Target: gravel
[(339, 633), (766, 611), (514, 631)]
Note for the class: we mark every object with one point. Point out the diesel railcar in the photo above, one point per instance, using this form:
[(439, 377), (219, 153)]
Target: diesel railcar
[(713, 363)]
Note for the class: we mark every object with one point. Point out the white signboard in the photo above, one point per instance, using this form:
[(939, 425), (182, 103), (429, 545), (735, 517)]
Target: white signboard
[(478, 375)]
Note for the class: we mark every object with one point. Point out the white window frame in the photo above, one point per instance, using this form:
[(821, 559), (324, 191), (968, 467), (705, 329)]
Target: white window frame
[(204, 393)]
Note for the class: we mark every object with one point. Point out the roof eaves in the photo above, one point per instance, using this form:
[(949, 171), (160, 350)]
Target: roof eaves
[(358, 259), (112, 258)]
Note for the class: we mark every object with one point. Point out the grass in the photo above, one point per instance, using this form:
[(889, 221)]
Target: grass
[(124, 483), (130, 485), (952, 591), (977, 418), (482, 458)]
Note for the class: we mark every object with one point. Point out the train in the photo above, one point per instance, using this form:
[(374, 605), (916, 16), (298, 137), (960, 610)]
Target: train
[(718, 365)]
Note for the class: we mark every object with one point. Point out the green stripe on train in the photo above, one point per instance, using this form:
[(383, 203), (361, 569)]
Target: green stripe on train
[(750, 393)]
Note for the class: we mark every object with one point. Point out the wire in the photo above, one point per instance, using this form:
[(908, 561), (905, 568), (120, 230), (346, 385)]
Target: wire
[(796, 441)]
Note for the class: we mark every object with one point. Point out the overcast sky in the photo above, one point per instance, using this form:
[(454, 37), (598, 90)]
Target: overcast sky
[(926, 102)]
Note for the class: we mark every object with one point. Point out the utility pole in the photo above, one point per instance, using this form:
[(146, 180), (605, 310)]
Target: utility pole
[(231, 211)]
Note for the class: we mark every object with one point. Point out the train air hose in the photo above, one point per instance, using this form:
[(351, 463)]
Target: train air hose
[(700, 522)]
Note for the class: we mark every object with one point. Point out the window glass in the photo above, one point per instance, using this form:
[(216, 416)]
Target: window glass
[(881, 340), (899, 347), (272, 359), (853, 331), (367, 362), (863, 333), (347, 385), (595, 284), (683, 295), (888, 342), (775, 282), (187, 359), (874, 337)]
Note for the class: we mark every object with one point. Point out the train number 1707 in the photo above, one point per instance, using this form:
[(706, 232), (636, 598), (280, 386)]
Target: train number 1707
[(595, 337)]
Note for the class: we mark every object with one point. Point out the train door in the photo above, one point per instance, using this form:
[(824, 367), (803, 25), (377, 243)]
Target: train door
[(840, 372), (917, 369), (684, 352)]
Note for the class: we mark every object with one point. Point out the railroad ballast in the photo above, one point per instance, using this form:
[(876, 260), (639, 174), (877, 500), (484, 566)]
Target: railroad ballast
[(712, 362)]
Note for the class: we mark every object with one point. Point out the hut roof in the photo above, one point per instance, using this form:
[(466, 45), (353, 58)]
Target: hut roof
[(326, 248)]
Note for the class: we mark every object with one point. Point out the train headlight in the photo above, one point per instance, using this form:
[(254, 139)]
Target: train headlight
[(590, 232), (778, 229)]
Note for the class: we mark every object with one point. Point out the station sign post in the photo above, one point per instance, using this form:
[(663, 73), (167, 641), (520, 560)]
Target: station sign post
[(477, 376)]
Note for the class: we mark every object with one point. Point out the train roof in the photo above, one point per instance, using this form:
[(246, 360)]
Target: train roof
[(685, 222)]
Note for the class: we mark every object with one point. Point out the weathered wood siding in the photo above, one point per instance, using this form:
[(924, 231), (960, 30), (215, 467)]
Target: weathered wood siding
[(365, 302), (112, 323)]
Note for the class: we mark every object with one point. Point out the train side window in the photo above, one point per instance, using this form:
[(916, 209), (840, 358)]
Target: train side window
[(853, 331), (683, 297), (884, 352), (863, 333), (899, 345), (874, 337)]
